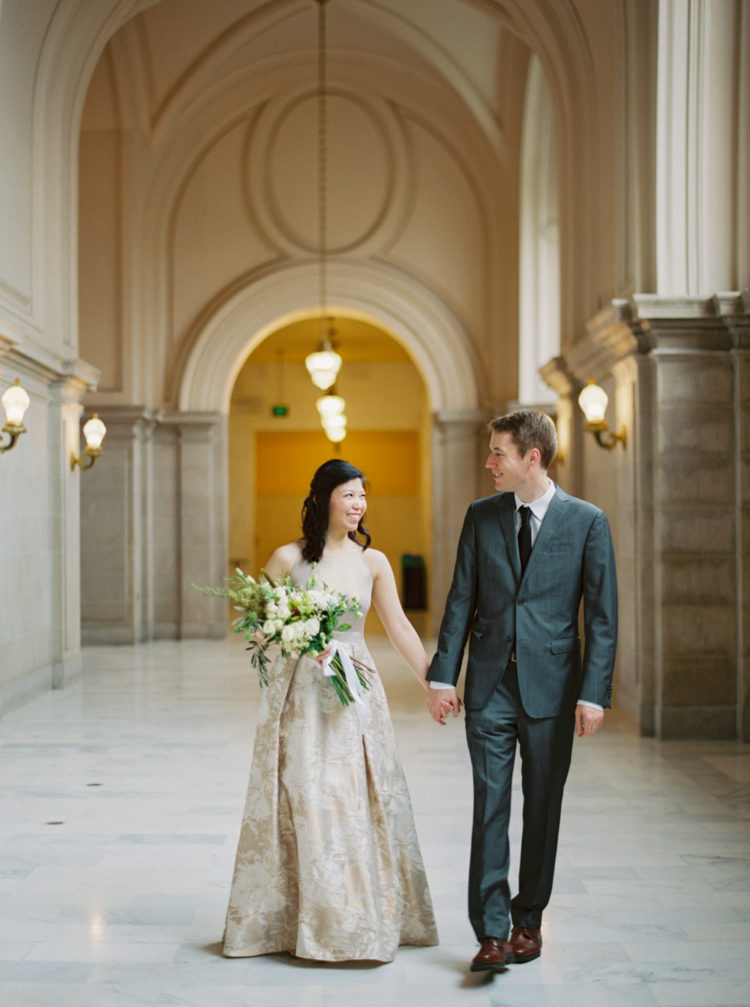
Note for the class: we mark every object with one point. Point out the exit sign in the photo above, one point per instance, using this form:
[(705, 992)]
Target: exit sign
[(279, 410)]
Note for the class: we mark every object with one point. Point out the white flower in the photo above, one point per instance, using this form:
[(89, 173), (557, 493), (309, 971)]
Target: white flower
[(312, 627), (289, 633), (269, 628)]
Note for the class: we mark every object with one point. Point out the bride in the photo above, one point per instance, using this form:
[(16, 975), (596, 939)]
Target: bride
[(328, 865)]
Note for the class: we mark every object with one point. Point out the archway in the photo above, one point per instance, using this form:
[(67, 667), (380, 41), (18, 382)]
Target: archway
[(276, 441), (413, 316)]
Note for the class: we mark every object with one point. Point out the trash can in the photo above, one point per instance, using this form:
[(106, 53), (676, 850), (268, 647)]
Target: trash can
[(413, 582)]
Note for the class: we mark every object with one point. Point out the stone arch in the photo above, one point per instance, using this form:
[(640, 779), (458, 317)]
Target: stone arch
[(408, 310), (413, 315)]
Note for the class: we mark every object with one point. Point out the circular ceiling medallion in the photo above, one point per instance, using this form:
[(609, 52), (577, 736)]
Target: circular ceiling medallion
[(283, 172)]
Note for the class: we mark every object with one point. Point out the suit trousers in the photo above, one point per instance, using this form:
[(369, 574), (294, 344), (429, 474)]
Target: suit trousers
[(546, 746)]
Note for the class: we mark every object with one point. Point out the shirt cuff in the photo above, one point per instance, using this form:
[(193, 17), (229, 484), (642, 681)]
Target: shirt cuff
[(441, 685), (594, 706)]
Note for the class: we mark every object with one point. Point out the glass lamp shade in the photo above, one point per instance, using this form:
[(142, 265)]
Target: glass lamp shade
[(94, 432), (337, 422), (593, 401), (323, 366), (336, 435), (15, 402), (330, 405)]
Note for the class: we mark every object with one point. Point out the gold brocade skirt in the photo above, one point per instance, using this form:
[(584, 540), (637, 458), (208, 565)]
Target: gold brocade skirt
[(328, 862)]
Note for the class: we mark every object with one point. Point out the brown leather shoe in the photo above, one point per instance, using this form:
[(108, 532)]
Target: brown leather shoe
[(490, 957), (524, 945)]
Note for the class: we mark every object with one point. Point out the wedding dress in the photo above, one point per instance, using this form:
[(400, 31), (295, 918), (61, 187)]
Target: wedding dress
[(328, 864)]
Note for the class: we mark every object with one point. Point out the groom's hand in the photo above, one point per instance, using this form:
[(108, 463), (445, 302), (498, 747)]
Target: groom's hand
[(440, 702), (588, 720)]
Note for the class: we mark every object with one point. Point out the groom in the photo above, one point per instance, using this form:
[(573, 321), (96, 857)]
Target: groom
[(526, 558)]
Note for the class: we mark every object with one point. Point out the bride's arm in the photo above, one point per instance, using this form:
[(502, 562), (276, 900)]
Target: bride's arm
[(400, 631)]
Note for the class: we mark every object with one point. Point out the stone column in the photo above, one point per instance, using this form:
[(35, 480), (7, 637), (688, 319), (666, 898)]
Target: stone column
[(202, 538), (154, 522), (702, 140), (698, 582), (740, 328), (678, 499), (455, 448), (113, 516)]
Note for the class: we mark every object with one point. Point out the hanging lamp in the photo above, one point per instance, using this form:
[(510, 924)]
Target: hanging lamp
[(323, 365)]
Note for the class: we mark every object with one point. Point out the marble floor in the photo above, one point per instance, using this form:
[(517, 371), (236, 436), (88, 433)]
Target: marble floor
[(121, 800)]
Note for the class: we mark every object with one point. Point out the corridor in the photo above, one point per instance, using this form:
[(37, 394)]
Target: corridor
[(121, 805)]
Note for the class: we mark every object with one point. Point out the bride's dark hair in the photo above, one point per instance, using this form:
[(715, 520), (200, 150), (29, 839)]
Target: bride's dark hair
[(315, 508)]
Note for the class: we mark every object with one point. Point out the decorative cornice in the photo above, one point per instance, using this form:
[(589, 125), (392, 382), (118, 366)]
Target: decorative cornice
[(653, 324), (447, 418), (693, 324), (727, 302)]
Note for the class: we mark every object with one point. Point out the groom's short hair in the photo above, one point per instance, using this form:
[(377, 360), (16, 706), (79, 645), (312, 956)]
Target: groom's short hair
[(529, 428)]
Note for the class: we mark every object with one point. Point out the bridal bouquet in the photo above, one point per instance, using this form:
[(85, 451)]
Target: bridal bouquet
[(300, 619)]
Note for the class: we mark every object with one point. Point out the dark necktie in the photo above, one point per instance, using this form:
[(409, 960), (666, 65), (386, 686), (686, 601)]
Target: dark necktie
[(524, 536)]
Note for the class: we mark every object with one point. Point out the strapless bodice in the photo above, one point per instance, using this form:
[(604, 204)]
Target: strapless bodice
[(346, 572)]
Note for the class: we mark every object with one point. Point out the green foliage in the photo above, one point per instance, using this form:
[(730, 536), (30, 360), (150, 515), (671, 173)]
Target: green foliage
[(300, 619)]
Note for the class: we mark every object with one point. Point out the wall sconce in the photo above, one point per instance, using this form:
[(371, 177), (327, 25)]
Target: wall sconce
[(593, 401), (94, 432), (15, 402)]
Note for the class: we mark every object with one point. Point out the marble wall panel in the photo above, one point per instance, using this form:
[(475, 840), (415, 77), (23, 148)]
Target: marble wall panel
[(165, 535), (697, 528), (107, 540), (699, 629), (696, 479), (203, 538), (695, 378), (695, 680), (709, 580), (696, 427), (744, 479)]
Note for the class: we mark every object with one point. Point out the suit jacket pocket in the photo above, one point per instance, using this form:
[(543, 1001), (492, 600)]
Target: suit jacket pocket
[(566, 645)]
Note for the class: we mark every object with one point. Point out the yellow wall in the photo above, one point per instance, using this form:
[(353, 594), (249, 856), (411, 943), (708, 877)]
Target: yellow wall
[(285, 463), (272, 460)]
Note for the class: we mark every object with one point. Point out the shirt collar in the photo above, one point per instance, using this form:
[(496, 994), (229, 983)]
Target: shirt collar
[(540, 506)]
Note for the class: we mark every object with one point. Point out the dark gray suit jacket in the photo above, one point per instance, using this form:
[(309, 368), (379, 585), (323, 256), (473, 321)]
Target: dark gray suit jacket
[(572, 559)]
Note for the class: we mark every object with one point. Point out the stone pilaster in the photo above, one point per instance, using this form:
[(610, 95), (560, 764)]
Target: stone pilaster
[(678, 498), (113, 517), (200, 481), (458, 438), (153, 522)]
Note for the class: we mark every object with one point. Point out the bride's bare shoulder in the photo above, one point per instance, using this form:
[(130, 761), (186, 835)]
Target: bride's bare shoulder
[(376, 560), (283, 559)]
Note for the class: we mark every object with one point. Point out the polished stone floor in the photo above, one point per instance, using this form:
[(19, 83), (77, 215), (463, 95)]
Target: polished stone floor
[(121, 801)]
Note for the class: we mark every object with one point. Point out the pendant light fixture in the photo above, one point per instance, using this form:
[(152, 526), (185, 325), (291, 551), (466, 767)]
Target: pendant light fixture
[(324, 364)]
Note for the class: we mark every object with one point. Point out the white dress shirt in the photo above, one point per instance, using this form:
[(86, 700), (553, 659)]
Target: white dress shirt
[(538, 508)]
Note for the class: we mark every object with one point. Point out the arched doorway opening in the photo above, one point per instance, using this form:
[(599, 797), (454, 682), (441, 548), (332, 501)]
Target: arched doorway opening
[(404, 311), (273, 453)]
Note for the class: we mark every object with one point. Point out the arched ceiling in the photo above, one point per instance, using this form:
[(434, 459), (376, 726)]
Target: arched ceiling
[(174, 49)]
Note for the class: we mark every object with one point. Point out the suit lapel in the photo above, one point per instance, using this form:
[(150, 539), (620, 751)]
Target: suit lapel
[(508, 525)]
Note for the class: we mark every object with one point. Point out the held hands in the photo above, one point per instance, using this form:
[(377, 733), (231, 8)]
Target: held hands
[(321, 657), (440, 702)]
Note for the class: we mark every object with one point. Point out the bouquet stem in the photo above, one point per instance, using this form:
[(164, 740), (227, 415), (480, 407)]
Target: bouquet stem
[(339, 683)]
